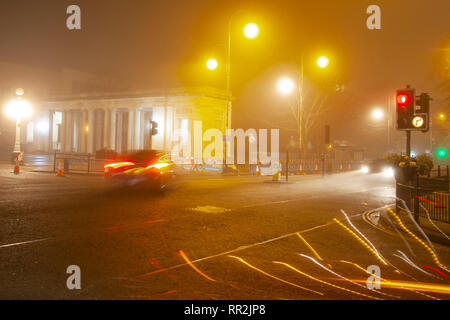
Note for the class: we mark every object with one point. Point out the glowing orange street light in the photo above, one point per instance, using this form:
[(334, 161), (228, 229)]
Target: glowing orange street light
[(322, 62), (251, 30), (212, 64), (18, 109), (377, 114), (285, 86)]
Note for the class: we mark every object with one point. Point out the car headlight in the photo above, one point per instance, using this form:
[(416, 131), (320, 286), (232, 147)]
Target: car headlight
[(365, 169), (388, 172)]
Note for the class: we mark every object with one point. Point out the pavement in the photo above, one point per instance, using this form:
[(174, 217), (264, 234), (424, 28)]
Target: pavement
[(215, 237)]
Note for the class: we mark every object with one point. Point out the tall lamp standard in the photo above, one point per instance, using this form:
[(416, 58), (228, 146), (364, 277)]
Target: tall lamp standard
[(287, 85), (251, 31), (322, 62), (18, 109)]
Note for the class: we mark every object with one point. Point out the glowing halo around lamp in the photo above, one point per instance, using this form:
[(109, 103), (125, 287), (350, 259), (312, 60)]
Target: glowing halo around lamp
[(285, 86), (322, 62), (251, 30), (212, 64), (18, 109)]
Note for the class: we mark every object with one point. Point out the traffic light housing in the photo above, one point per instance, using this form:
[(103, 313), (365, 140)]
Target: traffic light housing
[(405, 102), (412, 111), (154, 126), (423, 103), (423, 109)]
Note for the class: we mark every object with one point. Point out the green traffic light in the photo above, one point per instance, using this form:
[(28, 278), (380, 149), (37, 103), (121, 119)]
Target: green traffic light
[(441, 153)]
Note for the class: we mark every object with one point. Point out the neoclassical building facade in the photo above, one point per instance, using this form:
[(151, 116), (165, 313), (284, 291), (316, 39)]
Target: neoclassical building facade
[(122, 122)]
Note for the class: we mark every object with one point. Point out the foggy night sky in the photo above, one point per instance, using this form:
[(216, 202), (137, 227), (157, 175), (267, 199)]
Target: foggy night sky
[(157, 44)]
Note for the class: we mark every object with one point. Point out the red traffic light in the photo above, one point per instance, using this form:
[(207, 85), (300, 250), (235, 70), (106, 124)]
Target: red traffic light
[(403, 99)]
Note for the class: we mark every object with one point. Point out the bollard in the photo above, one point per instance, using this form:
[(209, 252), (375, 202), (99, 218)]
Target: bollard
[(258, 172), (16, 166), (316, 168), (60, 168), (300, 169), (276, 176)]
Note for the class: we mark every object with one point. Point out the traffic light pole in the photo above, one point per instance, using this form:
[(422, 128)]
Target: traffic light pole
[(408, 143)]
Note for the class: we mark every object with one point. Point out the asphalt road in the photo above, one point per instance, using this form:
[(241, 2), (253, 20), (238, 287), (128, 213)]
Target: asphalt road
[(213, 237)]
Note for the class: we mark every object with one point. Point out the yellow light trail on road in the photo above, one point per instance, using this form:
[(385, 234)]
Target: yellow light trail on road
[(374, 275), (362, 241), (274, 277), (428, 287), (185, 257), (433, 254), (309, 246), (324, 282)]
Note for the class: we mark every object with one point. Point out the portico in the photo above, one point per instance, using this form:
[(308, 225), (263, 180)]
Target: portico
[(85, 124)]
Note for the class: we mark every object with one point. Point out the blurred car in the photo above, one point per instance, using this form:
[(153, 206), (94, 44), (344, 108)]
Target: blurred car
[(147, 168), (378, 166)]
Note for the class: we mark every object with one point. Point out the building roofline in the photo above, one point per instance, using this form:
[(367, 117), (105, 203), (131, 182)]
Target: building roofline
[(156, 93)]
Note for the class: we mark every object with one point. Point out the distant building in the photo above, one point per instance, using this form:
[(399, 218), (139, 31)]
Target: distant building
[(40, 84), (343, 151), (85, 123)]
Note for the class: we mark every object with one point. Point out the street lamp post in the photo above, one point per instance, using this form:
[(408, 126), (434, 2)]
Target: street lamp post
[(18, 109), (285, 87), (300, 106), (251, 31)]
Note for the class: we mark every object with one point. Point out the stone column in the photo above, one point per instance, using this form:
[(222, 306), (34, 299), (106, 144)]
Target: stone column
[(90, 133), (106, 128), (69, 131), (84, 133), (62, 134), (165, 126), (130, 129), (113, 129), (119, 131), (137, 130), (50, 131)]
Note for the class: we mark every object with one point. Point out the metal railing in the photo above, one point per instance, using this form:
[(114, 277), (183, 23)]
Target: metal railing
[(424, 202), (439, 172), (78, 162)]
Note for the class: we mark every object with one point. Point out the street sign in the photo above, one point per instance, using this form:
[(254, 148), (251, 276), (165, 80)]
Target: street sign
[(418, 121)]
